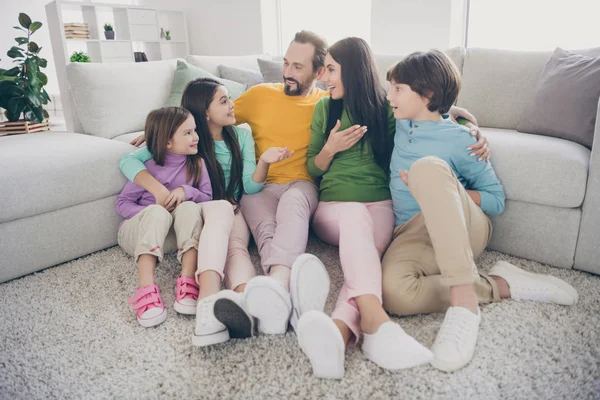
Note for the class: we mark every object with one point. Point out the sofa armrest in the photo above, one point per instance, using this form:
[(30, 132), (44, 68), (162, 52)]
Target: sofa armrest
[(587, 254)]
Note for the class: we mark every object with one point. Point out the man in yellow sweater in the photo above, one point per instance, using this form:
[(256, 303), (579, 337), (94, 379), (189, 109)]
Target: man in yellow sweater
[(278, 216)]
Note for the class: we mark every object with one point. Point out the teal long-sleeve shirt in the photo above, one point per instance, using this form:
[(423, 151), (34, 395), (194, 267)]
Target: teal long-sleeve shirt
[(133, 163), (448, 141)]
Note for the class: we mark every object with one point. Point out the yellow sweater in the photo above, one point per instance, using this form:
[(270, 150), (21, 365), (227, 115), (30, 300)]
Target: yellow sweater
[(279, 120)]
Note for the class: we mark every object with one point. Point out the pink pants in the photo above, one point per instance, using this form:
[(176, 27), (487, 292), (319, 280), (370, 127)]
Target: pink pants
[(278, 217), (362, 231), (238, 268)]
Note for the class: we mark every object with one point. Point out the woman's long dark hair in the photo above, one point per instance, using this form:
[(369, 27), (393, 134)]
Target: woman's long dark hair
[(363, 95), (161, 125), (197, 96)]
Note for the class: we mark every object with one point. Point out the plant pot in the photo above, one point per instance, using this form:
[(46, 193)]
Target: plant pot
[(109, 35), (168, 37), (22, 126)]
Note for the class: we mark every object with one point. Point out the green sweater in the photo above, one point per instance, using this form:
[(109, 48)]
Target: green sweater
[(353, 175), (131, 164)]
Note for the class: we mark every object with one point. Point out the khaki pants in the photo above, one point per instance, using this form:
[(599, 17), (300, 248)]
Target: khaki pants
[(203, 226), (436, 248)]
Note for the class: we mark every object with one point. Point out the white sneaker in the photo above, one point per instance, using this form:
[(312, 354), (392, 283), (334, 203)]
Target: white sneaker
[(392, 348), (229, 310), (268, 301), (322, 342), (208, 330), (309, 286), (454, 344), (537, 287)]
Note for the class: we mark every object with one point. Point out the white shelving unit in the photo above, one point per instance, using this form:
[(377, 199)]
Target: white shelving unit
[(137, 29)]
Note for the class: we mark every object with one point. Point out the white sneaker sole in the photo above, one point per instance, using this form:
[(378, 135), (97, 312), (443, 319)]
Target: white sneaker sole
[(157, 320), (269, 304), (183, 309), (502, 266), (210, 339), (321, 341), (308, 274)]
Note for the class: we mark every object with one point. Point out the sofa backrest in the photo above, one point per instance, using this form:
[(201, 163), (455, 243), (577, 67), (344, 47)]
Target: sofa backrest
[(497, 85), (114, 99), (386, 61), (211, 63)]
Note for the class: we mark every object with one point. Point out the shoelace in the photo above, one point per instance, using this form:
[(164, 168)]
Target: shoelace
[(206, 314), (453, 329)]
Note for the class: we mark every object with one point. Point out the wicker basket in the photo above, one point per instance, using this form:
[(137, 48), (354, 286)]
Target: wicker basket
[(22, 126)]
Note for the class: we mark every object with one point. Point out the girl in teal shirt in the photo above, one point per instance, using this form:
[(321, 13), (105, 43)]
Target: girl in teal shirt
[(228, 152)]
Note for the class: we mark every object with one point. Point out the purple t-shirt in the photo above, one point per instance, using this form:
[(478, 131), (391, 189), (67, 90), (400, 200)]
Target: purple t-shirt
[(172, 175)]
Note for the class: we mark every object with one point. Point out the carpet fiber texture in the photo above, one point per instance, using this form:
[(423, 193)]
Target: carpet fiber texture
[(68, 333)]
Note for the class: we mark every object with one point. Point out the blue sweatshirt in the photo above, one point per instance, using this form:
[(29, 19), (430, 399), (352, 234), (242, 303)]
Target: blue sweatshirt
[(448, 141)]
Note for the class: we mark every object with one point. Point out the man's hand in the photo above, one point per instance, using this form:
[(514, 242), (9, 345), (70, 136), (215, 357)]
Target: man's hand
[(275, 154), (138, 141), (343, 140), (404, 176), (175, 198)]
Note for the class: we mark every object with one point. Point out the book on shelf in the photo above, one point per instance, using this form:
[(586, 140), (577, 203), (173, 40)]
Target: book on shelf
[(75, 25), (139, 56)]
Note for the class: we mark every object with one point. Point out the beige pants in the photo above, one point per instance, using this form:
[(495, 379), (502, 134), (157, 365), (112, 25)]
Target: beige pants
[(436, 248), (203, 226)]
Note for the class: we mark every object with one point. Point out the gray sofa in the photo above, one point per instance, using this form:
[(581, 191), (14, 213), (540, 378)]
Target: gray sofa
[(58, 189)]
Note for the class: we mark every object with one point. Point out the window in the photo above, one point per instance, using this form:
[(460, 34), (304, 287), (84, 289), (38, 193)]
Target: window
[(534, 24), (332, 19)]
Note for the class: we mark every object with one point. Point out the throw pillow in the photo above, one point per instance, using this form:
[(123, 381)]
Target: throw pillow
[(566, 99), (186, 73), (244, 76)]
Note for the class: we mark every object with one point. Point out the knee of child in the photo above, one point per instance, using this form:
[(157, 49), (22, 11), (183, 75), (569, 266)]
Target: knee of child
[(424, 166), (225, 211), (158, 213)]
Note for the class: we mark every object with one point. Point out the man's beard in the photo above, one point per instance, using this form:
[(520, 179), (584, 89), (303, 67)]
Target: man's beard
[(287, 89)]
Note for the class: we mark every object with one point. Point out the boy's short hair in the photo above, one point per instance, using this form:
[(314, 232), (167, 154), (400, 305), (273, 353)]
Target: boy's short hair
[(432, 75)]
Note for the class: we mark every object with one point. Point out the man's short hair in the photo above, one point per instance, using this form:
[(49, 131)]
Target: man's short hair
[(319, 43), (432, 75)]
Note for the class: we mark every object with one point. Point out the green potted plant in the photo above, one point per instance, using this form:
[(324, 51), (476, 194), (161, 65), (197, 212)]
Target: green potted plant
[(168, 35), (109, 34), (79, 56), (22, 93)]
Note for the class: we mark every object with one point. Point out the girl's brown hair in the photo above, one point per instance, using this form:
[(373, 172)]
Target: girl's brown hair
[(197, 97), (161, 125)]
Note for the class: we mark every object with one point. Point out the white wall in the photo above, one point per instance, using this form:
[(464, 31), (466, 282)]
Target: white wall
[(9, 14), (404, 26), (226, 27)]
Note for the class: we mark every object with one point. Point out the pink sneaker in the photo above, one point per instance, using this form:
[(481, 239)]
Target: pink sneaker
[(186, 292), (149, 306)]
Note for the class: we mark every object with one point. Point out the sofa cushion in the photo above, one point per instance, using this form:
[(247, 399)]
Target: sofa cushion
[(186, 73), (211, 63), (566, 99), (497, 85), (49, 171), (539, 169), (113, 99), (244, 76)]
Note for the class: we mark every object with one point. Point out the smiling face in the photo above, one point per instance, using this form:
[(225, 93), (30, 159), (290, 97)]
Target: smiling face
[(185, 139), (333, 78), (220, 110), (298, 74), (406, 103)]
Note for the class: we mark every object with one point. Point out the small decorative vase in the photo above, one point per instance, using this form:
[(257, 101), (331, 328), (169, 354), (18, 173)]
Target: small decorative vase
[(109, 35)]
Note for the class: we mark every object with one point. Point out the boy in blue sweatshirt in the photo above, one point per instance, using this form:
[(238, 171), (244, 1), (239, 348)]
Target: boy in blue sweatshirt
[(442, 198)]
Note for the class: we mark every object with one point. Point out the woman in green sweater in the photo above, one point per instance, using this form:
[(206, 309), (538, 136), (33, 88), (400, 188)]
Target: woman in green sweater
[(228, 152), (354, 213)]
